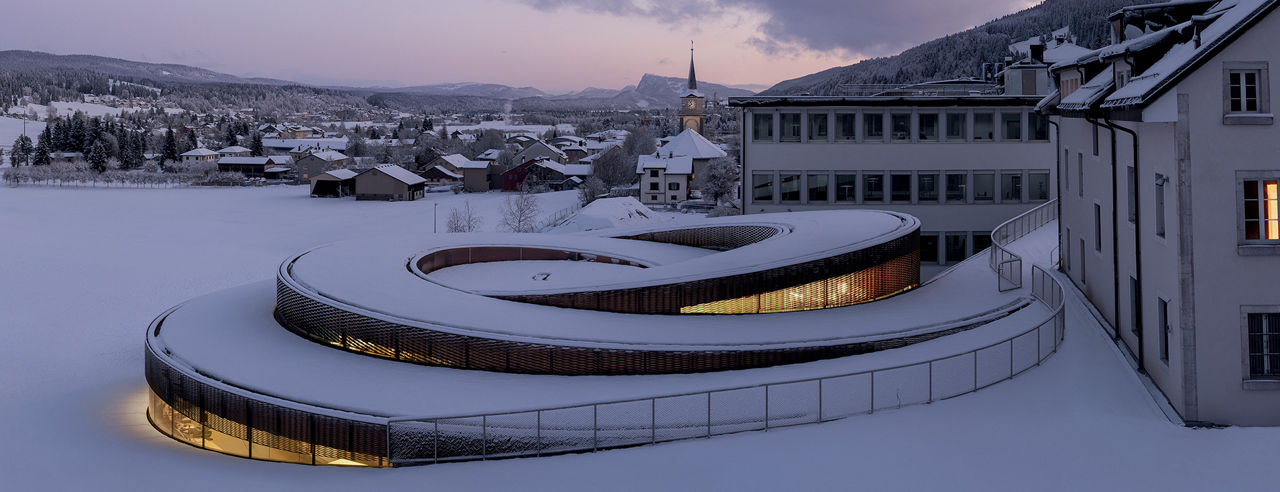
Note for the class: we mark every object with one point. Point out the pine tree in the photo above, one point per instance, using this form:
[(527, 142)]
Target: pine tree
[(255, 144), (231, 136), (98, 157), (192, 141), (42, 150), (426, 123), (21, 153), (170, 153)]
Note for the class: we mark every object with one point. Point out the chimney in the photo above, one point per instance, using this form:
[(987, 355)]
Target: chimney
[(1037, 53), (986, 72)]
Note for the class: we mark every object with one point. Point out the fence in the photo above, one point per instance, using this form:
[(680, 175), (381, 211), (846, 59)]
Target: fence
[(642, 421), (558, 217), (1007, 264)]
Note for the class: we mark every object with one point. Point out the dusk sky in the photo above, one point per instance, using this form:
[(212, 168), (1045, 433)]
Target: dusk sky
[(554, 45)]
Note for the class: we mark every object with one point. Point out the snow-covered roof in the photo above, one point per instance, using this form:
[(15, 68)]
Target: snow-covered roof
[(577, 169), (234, 149), (255, 161), (489, 155), (276, 170), (445, 171), (341, 174), (681, 164), (690, 143), (399, 174), (550, 164), (475, 165), (330, 155), (300, 144), (1090, 92), (199, 152), (455, 160)]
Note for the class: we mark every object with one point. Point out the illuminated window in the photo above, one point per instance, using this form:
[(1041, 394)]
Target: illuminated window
[(1261, 210)]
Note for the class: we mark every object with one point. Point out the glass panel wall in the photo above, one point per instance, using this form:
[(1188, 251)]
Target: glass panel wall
[(789, 187), (762, 187)]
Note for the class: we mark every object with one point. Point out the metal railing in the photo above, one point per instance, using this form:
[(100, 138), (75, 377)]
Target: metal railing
[(926, 89), (625, 423), (557, 218), (1007, 264)]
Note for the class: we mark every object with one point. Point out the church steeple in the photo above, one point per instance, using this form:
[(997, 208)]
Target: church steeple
[(693, 80)]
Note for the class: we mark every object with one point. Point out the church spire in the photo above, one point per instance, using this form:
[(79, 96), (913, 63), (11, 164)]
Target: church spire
[(693, 80)]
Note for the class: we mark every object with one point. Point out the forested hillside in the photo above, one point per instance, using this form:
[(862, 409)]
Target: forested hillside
[(963, 53)]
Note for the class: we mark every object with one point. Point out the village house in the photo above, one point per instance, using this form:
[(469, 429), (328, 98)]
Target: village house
[(253, 167), (315, 163), (664, 180), (389, 182), (540, 149), (336, 183), (199, 155), (234, 151)]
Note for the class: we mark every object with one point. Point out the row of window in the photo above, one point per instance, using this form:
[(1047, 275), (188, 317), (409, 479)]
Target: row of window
[(905, 126), (950, 247), (671, 186), (899, 187)]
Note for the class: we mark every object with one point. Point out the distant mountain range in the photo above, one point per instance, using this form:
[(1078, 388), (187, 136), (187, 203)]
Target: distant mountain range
[(652, 91), (962, 54)]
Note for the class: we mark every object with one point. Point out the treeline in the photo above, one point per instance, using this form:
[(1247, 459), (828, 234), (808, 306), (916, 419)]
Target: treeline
[(962, 54)]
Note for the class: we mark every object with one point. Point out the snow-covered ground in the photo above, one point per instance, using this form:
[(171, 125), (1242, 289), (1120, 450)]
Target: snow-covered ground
[(68, 108), (535, 130), (11, 128), (84, 270)]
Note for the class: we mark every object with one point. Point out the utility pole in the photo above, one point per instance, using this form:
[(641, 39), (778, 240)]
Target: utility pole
[(435, 217)]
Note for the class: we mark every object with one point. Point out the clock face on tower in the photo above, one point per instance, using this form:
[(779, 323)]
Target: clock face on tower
[(691, 104)]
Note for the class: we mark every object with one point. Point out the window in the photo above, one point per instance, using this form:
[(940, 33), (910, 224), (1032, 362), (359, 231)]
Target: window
[(1097, 227), (984, 187), (1080, 173), (872, 187), (872, 126), (1264, 345), (789, 187), (846, 126), (956, 187), (1084, 272), (818, 188), (981, 241), (653, 198), (1160, 180), (817, 126), (928, 247), (653, 186), (846, 187), (653, 173), (1038, 186), (1066, 247), (762, 127), (1162, 310), (900, 187), (955, 246), (1037, 127), (762, 187), (984, 127), (957, 127), (1130, 181), (1066, 173), (1243, 88), (900, 125), (1011, 187), (927, 187), (928, 127), (673, 186), (674, 198), (790, 127), (1095, 139), (1011, 126), (1261, 210), (1133, 305), (1246, 94)]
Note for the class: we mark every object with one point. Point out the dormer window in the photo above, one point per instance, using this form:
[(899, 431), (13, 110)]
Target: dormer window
[(1246, 94)]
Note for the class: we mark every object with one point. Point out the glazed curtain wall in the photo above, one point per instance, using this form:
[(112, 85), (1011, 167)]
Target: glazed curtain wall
[(211, 418)]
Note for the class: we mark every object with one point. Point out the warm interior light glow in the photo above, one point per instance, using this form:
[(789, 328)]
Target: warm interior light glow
[(877, 282), (1271, 197)]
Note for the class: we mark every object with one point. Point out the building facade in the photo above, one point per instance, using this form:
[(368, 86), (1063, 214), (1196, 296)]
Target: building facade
[(963, 164), (1169, 217)]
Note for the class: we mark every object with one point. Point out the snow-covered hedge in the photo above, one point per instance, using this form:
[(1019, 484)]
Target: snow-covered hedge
[(79, 174)]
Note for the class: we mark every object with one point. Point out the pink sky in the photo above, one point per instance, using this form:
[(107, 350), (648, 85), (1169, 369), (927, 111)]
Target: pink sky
[(554, 45)]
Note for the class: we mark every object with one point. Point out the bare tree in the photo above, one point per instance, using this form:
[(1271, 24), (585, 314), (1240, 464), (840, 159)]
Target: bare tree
[(719, 179), (614, 169), (591, 189), (520, 211), (464, 220)]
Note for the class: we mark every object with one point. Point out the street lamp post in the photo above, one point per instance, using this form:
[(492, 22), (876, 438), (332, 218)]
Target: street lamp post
[(435, 217)]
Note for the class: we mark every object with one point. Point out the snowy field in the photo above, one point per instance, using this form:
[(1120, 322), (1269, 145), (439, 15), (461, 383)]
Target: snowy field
[(11, 128), (85, 270)]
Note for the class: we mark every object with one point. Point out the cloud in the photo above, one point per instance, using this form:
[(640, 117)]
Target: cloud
[(847, 27)]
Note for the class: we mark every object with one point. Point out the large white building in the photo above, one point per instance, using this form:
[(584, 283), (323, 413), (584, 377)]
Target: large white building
[(1170, 160), (962, 156)]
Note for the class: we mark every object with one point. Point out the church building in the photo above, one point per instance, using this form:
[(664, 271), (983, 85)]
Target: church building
[(691, 102)]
